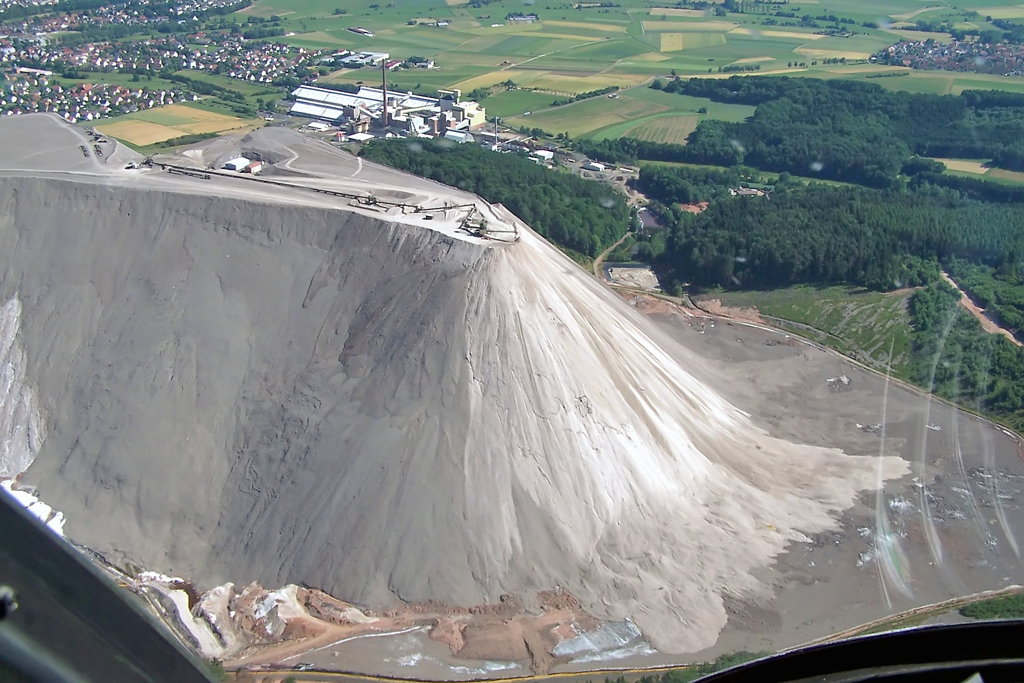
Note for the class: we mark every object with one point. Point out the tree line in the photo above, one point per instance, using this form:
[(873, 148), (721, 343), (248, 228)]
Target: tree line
[(576, 214), (838, 130), (879, 239)]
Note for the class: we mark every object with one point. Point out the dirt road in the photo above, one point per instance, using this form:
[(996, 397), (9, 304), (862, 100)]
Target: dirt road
[(598, 271), (986, 323)]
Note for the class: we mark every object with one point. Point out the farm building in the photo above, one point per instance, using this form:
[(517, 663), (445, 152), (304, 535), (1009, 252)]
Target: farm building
[(544, 154), (589, 165)]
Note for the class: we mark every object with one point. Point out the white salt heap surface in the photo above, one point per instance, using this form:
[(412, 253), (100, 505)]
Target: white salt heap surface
[(244, 382)]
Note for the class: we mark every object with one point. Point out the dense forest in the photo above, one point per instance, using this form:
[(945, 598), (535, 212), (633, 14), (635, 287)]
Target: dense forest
[(839, 130), (1007, 607), (878, 239), (959, 361), (576, 214), (681, 185)]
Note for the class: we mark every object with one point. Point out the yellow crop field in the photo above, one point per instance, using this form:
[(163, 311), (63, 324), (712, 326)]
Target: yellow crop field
[(965, 165), (576, 84), (196, 114), (522, 77), (139, 133), (676, 12), (744, 31), (813, 53), (754, 60), (608, 28), (553, 81), (646, 57), (688, 26), (569, 36), (1002, 174), (133, 129), (674, 42)]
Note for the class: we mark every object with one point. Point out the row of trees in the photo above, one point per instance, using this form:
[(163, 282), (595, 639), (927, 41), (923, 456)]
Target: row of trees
[(585, 95), (576, 214)]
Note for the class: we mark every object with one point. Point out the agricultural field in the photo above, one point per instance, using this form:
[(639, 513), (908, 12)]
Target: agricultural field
[(568, 51), (978, 168), (670, 129), (246, 89), (966, 166), (584, 117), (638, 112), (151, 126), (515, 102), (859, 323)]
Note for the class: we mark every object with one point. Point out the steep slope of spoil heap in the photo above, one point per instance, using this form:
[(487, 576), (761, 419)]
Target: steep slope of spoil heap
[(235, 390)]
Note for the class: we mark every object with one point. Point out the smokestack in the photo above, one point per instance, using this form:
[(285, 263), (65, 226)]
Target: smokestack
[(384, 87)]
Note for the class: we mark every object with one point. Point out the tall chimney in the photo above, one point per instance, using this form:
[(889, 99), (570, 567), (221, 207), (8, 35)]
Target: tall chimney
[(384, 87)]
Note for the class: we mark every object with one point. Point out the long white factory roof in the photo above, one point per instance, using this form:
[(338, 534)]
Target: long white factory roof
[(318, 111), (370, 98)]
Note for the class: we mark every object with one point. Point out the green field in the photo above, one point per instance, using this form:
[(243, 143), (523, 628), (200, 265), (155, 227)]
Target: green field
[(688, 104), (637, 112), (239, 86), (513, 102), (570, 51), (582, 118), (160, 116), (856, 322), (668, 129), (575, 50)]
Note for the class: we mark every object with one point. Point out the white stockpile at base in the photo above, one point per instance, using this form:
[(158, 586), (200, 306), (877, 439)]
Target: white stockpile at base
[(21, 428)]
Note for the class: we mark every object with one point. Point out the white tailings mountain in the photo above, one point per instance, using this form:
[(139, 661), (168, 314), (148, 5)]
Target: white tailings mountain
[(244, 382)]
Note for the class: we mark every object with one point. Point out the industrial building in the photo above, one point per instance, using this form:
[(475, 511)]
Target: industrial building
[(237, 164), (401, 112)]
